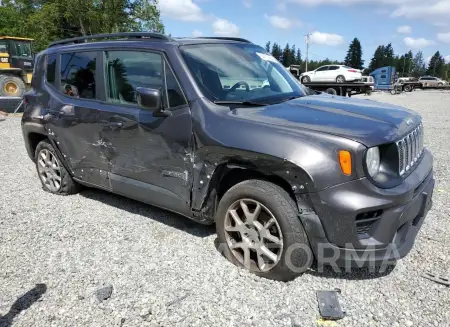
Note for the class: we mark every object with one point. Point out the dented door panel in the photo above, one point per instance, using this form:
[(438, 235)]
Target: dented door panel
[(72, 123), (148, 149)]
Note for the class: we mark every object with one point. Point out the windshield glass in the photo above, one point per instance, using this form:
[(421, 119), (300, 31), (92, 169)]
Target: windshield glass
[(240, 72), (23, 48)]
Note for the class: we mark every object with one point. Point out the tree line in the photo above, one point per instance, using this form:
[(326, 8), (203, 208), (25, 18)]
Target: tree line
[(407, 64), (50, 20)]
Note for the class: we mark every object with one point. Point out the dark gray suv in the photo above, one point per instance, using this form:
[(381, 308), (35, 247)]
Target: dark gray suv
[(217, 130)]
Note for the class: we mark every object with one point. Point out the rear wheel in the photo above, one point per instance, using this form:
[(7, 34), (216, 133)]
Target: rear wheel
[(54, 177), (258, 228), (11, 86), (340, 79), (306, 79)]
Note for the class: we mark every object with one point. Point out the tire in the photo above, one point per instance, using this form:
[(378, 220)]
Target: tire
[(66, 184), (440, 84), (306, 79), (340, 79), (11, 86), (293, 252), (331, 91), (407, 88)]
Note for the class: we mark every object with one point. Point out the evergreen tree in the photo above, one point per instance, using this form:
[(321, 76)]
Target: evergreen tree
[(418, 65), (378, 58), (268, 46), (276, 51), (298, 57), (436, 67), (388, 56), (354, 55)]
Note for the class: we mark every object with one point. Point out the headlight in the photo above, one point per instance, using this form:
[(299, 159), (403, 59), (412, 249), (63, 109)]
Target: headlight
[(373, 161)]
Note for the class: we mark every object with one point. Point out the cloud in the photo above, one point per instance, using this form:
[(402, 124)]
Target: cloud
[(282, 22), (197, 33), (417, 43), (423, 9), (405, 29), (447, 58), (247, 3), (185, 10), (326, 39), (444, 37), (223, 27), (430, 10)]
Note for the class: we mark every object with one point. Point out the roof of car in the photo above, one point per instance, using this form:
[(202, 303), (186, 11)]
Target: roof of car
[(145, 36)]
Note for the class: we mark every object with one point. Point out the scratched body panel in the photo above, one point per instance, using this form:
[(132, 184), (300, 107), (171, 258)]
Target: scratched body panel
[(149, 149)]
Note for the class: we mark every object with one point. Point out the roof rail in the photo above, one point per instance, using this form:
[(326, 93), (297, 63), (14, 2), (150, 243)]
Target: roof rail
[(130, 35), (224, 38)]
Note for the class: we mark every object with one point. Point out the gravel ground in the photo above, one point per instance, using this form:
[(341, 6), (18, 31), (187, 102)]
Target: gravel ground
[(154, 268)]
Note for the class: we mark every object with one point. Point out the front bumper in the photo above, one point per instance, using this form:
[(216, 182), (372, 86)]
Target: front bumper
[(360, 224)]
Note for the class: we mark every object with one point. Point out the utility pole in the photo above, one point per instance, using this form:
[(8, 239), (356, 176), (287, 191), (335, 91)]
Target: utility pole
[(307, 50)]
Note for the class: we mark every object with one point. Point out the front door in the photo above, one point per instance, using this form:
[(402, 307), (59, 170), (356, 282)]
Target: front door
[(148, 157), (321, 74)]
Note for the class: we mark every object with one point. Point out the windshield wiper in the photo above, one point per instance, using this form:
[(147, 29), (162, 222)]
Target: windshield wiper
[(245, 103)]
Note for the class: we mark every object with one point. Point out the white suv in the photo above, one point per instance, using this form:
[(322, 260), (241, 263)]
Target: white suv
[(332, 73)]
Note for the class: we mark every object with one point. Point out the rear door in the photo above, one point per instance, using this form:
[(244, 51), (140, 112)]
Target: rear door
[(73, 86), (148, 157), (332, 73)]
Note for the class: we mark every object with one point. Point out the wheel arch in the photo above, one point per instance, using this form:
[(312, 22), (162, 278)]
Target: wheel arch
[(213, 178)]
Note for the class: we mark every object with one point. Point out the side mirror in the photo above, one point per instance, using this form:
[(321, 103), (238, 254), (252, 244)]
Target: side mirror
[(150, 99)]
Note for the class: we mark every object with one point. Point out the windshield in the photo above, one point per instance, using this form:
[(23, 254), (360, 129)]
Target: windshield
[(240, 72), (23, 48)]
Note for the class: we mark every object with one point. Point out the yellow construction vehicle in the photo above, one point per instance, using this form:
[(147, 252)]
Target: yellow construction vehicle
[(16, 65)]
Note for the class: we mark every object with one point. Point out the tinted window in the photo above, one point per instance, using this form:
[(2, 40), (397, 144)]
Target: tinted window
[(383, 76), (127, 70), (78, 74), (51, 70), (321, 69), (333, 68), (174, 93), (22, 48)]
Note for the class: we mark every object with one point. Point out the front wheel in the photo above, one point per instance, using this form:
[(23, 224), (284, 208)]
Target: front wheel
[(258, 228), (306, 79)]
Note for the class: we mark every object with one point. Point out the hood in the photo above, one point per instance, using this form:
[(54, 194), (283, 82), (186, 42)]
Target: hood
[(365, 121)]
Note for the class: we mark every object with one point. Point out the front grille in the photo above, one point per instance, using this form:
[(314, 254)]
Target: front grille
[(410, 148)]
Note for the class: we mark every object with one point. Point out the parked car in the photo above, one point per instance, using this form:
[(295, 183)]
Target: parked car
[(430, 81), (332, 73), (287, 175)]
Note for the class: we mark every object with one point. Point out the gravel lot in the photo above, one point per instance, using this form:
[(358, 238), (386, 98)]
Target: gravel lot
[(166, 271)]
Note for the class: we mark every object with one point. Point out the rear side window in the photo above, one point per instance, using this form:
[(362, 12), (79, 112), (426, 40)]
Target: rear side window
[(78, 74), (51, 70)]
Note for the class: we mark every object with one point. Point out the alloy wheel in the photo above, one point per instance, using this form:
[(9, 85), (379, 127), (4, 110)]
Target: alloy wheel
[(49, 170), (253, 235)]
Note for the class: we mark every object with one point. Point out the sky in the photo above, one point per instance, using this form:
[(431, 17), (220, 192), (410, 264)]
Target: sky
[(407, 24)]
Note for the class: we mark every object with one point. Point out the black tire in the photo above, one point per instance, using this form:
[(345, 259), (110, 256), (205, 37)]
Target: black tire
[(17, 83), (306, 79), (68, 185), (293, 260), (407, 88), (440, 84), (331, 91), (340, 79)]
